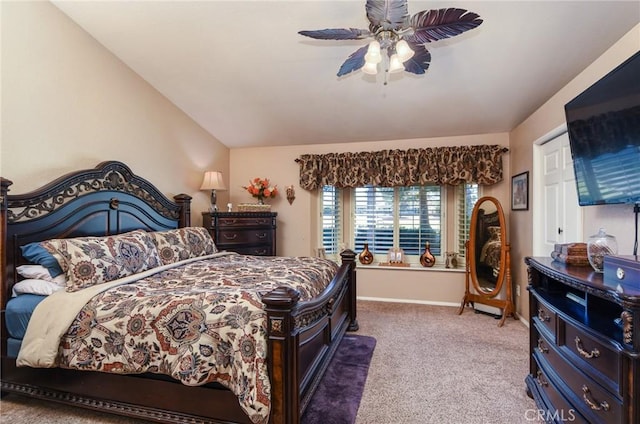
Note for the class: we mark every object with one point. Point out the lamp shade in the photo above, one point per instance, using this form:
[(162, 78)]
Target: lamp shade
[(213, 181)]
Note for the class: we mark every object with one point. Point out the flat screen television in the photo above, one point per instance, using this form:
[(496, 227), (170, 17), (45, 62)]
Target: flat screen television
[(604, 136)]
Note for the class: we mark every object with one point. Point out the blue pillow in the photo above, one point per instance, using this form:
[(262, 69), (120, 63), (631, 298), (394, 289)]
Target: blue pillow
[(37, 254)]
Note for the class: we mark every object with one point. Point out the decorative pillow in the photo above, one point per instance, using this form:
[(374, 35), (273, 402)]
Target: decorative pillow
[(183, 243), (94, 260), (38, 272), (35, 286), (494, 233), (36, 254)]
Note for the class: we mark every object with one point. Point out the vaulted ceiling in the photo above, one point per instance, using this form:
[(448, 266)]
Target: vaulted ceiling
[(241, 70)]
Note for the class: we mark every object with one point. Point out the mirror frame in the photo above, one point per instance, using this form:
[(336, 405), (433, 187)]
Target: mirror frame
[(477, 295), (473, 245)]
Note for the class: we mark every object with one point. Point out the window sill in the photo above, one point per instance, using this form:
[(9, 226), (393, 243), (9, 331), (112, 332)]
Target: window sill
[(411, 267)]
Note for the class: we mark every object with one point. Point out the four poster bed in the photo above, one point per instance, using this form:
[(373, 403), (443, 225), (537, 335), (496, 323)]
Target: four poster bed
[(150, 337)]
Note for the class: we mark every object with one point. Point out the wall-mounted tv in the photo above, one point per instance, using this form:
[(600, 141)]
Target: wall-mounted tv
[(604, 135)]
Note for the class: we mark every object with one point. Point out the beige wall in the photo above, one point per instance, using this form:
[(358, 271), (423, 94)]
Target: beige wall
[(297, 223), (617, 219), (68, 104)]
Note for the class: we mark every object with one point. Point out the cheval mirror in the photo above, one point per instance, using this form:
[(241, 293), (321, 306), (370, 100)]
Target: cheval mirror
[(488, 259)]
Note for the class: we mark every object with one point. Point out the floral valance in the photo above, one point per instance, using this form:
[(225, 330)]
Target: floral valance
[(452, 165)]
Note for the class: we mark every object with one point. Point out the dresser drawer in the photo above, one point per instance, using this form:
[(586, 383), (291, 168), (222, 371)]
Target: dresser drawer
[(544, 315), (243, 222), (228, 237), (264, 250), (591, 355), (594, 402), (559, 409)]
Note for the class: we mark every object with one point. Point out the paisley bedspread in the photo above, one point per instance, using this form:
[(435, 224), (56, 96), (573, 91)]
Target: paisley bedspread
[(199, 322), (491, 254)]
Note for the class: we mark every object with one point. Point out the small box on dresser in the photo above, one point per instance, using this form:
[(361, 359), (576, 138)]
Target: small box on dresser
[(623, 270), (584, 344), (249, 233)]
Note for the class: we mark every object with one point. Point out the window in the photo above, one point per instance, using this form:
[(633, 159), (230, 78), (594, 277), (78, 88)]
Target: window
[(407, 217)]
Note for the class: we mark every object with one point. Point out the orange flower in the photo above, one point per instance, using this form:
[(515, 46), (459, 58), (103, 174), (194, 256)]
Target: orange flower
[(261, 188)]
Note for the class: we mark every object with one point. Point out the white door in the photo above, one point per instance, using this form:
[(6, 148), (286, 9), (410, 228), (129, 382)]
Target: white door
[(562, 216)]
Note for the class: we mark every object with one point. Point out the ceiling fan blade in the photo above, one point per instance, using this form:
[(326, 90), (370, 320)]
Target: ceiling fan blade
[(438, 24), (337, 34), (420, 61), (387, 14), (353, 62)]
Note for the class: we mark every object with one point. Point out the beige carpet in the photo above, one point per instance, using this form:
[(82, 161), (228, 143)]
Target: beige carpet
[(429, 366)]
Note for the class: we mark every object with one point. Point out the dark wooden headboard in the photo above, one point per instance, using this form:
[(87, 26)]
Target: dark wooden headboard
[(106, 200)]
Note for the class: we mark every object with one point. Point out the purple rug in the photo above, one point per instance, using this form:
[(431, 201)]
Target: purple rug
[(338, 395)]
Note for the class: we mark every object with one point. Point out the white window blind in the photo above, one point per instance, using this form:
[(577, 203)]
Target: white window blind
[(419, 219), (374, 218), (466, 197), (331, 219)]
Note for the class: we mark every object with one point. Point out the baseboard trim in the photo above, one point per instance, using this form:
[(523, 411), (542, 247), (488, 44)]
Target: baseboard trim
[(420, 302)]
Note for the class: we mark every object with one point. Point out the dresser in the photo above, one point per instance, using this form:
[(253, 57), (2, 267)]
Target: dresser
[(584, 341), (249, 233)]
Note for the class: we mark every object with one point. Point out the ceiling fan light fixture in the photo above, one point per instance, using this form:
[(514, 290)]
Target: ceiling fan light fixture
[(395, 64), (373, 53), (401, 36), (404, 51), (370, 68)]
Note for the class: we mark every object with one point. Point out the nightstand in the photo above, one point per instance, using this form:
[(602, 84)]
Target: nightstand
[(249, 233)]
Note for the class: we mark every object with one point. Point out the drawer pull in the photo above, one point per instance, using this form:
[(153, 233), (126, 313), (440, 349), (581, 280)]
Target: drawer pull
[(541, 380), (261, 235), (230, 236), (593, 354), (542, 316), (229, 221), (586, 394), (261, 252), (541, 347)]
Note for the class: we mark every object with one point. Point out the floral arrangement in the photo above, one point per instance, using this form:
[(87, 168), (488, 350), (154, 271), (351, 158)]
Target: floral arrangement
[(261, 188)]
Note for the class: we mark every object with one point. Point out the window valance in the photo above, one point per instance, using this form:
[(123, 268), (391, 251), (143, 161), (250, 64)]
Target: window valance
[(481, 164)]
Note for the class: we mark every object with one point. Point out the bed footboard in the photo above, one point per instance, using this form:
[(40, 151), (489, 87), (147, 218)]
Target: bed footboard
[(303, 336)]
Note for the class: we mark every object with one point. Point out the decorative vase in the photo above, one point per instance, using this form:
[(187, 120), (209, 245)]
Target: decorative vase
[(599, 246), (427, 259), (452, 260), (365, 257), (261, 200)]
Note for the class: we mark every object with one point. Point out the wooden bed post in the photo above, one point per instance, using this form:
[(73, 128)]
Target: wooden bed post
[(283, 355), (4, 189), (349, 257), (184, 200)]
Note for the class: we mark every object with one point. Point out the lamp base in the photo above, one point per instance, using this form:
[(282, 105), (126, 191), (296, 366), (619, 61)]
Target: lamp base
[(214, 207)]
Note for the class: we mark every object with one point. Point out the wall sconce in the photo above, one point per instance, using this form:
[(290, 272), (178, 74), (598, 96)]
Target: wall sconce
[(291, 194), (213, 181)]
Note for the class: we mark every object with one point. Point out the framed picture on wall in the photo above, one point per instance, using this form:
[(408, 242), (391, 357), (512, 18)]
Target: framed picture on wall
[(520, 192)]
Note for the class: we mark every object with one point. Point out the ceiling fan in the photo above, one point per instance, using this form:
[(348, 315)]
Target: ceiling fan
[(401, 36)]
